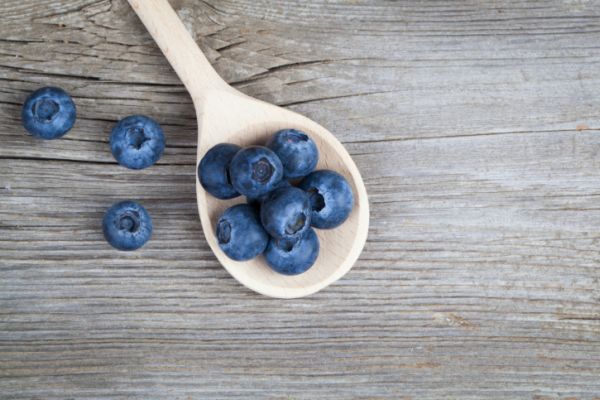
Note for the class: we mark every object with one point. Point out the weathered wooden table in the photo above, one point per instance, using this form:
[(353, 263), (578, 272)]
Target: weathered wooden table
[(476, 126)]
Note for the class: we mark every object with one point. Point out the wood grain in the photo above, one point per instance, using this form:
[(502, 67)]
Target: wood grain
[(474, 124)]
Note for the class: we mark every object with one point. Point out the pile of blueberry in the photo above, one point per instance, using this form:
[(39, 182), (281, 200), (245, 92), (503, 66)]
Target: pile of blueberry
[(136, 142), (278, 218)]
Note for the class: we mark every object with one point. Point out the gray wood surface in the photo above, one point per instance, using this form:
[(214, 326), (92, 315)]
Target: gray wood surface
[(476, 126)]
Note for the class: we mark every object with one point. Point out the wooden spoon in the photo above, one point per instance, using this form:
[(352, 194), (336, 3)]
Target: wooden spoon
[(227, 115)]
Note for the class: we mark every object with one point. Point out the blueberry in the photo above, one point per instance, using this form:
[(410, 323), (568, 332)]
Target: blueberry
[(127, 226), (285, 213), (137, 142), (213, 171), (257, 201), (293, 258), (297, 152), (48, 113), (331, 198), (240, 234), (255, 170)]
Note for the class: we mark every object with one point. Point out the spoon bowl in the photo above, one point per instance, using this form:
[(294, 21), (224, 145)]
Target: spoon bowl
[(227, 115)]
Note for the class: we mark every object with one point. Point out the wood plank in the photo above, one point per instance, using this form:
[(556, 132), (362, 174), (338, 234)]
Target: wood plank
[(475, 126)]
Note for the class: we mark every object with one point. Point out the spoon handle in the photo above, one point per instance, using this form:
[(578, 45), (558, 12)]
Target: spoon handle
[(177, 45)]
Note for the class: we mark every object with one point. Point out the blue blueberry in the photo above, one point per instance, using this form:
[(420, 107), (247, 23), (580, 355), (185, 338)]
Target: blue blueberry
[(137, 142), (297, 152), (331, 198), (48, 113), (213, 171), (257, 201), (285, 213), (127, 226), (293, 258), (240, 234), (255, 170)]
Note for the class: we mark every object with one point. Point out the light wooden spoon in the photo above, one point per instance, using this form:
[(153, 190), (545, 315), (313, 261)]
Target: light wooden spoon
[(227, 115)]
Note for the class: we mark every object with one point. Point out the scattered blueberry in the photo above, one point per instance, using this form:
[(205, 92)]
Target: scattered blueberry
[(257, 201), (293, 258), (285, 214), (48, 113), (213, 171), (137, 142), (297, 152), (255, 170), (331, 198), (127, 226), (240, 233)]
